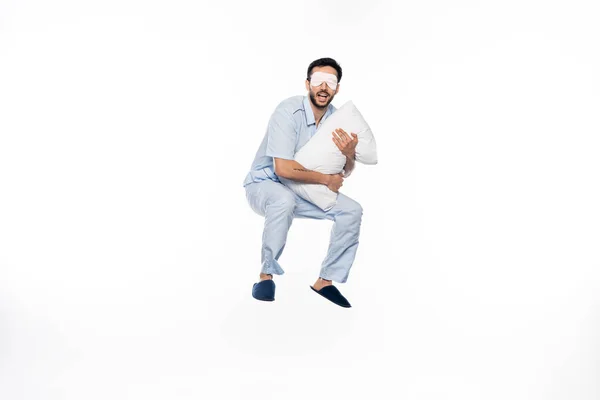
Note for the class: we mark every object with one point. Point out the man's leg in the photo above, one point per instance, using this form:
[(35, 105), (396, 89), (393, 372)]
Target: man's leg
[(276, 203), (343, 243)]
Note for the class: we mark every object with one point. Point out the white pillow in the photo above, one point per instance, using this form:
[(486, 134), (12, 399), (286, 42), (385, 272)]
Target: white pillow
[(322, 155)]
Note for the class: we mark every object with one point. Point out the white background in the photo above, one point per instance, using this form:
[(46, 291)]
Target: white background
[(128, 251)]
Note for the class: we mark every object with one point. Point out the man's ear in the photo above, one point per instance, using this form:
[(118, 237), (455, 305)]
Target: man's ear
[(337, 89), (307, 85)]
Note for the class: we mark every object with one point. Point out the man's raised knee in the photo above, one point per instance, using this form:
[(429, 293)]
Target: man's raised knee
[(353, 209)]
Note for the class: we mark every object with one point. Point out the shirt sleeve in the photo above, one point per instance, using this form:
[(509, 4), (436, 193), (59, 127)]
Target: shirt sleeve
[(281, 135)]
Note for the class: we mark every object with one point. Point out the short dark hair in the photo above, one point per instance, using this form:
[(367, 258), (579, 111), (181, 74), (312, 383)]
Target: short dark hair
[(324, 62)]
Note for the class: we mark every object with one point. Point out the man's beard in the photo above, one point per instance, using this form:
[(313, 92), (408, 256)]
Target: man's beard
[(313, 98)]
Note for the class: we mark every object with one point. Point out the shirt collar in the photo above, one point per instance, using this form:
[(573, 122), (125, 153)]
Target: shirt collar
[(310, 116)]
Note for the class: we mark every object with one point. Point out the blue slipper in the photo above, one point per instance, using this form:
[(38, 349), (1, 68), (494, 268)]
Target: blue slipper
[(264, 290), (332, 294)]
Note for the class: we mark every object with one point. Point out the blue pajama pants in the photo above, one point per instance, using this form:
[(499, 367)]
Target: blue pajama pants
[(279, 205)]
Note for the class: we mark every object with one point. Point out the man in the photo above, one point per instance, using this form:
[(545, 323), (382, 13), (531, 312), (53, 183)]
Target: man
[(291, 126)]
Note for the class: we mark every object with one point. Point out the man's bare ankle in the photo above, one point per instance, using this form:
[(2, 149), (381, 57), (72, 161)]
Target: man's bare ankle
[(264, 277), (321, 283)]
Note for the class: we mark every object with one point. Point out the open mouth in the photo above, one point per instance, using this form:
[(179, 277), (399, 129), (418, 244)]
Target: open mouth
[(322, 96)]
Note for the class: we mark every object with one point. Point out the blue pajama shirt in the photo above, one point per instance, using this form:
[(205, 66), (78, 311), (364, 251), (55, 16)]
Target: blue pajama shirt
[(290, 127)]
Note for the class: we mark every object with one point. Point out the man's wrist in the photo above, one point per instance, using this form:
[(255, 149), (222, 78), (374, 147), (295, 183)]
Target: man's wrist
[(325, 179), (349, 161)]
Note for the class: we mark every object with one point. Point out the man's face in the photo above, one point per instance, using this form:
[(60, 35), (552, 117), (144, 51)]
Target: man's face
[(322, 95)]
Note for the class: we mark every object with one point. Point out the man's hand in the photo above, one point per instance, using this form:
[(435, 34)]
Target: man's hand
[(335, 182), (345, 143)]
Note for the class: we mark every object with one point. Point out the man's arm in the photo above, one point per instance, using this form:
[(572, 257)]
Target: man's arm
[(293, 170), (347, 145), (349, 167)]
